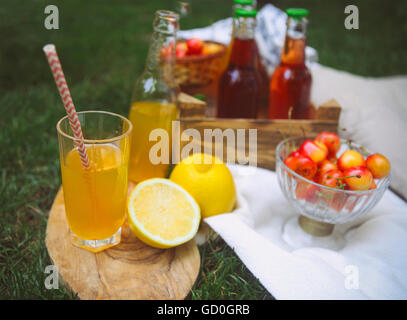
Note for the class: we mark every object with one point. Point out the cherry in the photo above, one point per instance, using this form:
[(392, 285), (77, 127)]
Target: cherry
[(330, 139), (314, 150), (350, 158), (302, 165), (326, 166), (292, 161), (358, 178), (378, 165), (332, 157), (333, 179), (306, 191), (373, 186), (294, 154)]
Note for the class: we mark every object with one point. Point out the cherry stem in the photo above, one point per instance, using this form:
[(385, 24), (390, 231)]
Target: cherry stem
[(355, 176), (340, 184)]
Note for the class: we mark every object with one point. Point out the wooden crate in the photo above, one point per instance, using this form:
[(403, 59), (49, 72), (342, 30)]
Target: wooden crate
[(269, 132)]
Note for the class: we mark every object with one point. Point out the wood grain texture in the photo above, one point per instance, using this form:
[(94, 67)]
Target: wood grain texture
[(130, 270), (191, 107)]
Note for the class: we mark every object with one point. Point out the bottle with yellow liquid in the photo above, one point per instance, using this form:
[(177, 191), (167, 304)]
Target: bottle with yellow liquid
[(153, 104)]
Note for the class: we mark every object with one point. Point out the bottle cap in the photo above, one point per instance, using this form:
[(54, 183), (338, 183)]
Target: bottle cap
[(297, 13), (245, 13), (243, 2)]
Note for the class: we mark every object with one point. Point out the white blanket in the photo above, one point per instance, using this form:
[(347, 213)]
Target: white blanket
[(375, 246)]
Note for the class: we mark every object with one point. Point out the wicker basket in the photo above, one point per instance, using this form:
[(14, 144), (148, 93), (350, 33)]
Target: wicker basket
[(191, 71)]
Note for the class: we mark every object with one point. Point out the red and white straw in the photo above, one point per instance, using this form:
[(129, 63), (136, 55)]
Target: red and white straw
[(56, 69)]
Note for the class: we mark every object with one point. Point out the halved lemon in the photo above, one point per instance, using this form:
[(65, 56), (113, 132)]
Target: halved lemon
[(162, 214)]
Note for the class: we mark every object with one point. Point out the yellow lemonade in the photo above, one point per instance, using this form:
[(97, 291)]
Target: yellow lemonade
[(95, 199), (145, 117)]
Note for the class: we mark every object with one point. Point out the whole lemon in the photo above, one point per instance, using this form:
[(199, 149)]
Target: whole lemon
[(209, 181)]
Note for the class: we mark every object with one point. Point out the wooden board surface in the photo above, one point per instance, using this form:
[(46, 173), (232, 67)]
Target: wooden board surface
[(130, 270)]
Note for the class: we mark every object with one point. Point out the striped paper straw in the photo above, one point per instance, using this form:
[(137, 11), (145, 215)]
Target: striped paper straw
[(59, 77)]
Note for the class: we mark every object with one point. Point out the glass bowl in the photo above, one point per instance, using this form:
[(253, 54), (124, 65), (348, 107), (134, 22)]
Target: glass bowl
[(321, 207)]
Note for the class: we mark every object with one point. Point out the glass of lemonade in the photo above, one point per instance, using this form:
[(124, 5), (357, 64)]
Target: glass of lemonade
[(95, 198)]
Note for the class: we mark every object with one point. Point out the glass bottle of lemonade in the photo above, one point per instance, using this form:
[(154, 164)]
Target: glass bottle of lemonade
[(240, 84), (290, 85), (153, 104)]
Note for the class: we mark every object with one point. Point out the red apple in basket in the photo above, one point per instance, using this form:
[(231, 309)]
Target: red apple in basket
[(195, 46), (181, 50)]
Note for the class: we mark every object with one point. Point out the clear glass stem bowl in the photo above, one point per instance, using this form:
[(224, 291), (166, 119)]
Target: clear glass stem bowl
[(320, 207)]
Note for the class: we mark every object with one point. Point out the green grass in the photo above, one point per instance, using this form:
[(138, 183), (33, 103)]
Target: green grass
[(102, 45)]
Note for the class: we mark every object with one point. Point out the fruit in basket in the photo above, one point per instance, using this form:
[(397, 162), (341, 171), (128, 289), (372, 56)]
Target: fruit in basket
[(210, 48), (379, 165), (180, 50), (162, 214), (358, 178), (302, 165), (194, 46), (209, 181), (351, 158), (331, 140), (314, 150)]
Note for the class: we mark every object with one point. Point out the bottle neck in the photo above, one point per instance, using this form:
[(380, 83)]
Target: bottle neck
[(161, 54), (244, 47), (295, 42)]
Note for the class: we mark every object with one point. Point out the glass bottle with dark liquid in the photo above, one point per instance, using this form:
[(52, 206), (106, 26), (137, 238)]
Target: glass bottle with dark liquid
[(263, 108), (240, 84), (290, 85)]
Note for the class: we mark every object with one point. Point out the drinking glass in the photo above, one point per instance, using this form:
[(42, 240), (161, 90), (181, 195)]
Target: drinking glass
[(95, 198)]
